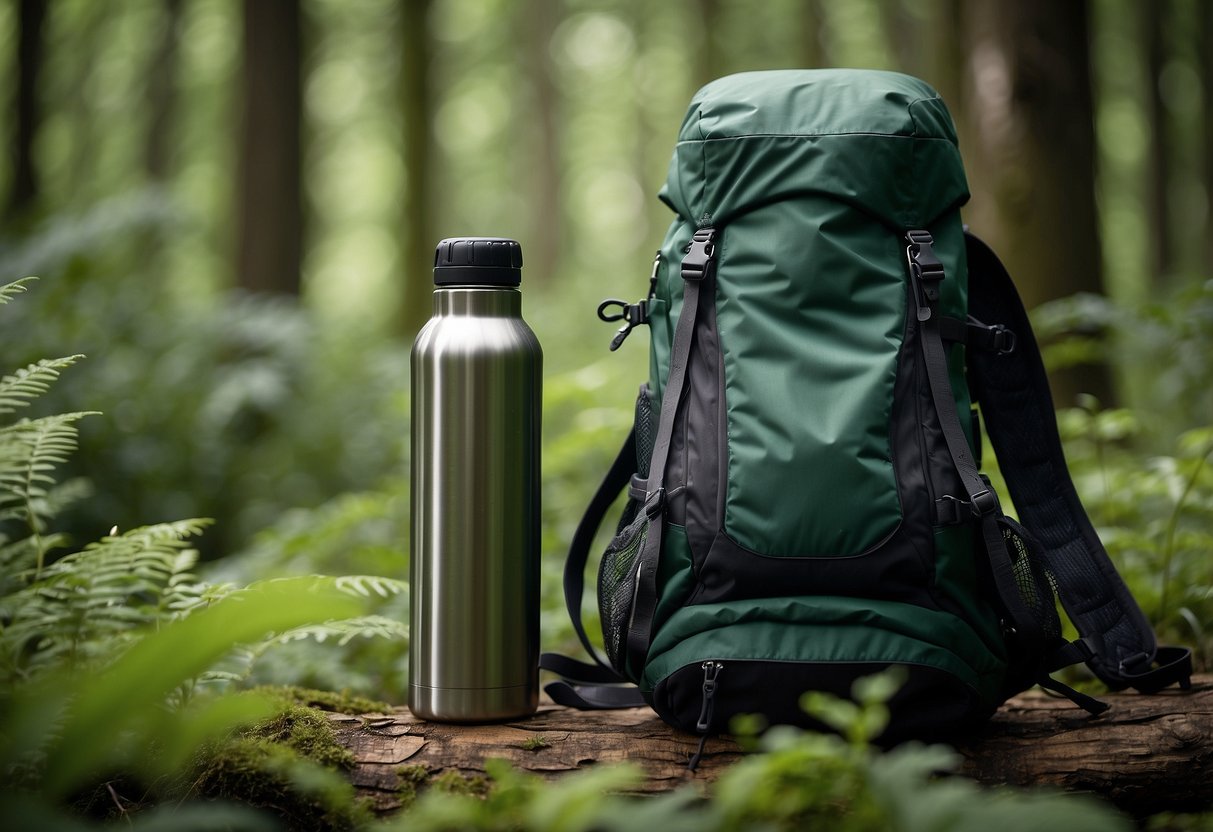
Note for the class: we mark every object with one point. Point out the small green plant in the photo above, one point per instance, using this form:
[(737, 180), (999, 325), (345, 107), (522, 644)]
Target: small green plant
[(535, 743)]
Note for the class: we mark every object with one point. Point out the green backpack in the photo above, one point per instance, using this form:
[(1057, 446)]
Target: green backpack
[(805, 499)]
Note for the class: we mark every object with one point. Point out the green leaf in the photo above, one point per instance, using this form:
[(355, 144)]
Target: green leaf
[(100, 708)]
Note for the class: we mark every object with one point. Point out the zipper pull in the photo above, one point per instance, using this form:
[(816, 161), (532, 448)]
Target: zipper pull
[(711, 672)]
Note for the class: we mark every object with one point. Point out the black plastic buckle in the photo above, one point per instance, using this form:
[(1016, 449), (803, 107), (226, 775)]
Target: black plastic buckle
[(699, 256), (984, 502), (926, 271)]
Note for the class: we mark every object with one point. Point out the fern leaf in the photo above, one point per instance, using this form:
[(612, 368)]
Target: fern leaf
[(364, 585), (29, 451), (346, 630), (11, 290), (80, 605), (20, 388)]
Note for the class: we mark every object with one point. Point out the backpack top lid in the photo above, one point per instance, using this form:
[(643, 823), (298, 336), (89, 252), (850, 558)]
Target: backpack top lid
[(881, 141)]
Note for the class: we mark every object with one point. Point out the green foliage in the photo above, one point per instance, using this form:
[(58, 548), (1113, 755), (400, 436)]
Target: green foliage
[(233, 406), (1154, 514), (797, 780), (102, 653)]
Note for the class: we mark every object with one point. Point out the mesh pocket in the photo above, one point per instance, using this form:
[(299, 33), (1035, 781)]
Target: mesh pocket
[(1036, 584), (646, 430), (617, 582)]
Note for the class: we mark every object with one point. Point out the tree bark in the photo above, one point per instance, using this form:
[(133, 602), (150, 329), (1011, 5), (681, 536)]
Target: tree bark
[(27, 108), (270, 194), (1154, 17), (162, 93), (420, 205), (1146, 754)]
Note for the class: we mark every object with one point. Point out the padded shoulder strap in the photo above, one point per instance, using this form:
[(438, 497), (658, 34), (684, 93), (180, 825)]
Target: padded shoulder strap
[(1017, 408)]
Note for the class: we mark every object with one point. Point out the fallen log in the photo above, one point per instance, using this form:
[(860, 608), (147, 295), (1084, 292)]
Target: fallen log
[(1146, 753)]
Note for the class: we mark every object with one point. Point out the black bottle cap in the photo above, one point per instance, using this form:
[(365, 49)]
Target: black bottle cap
[(478, 261)]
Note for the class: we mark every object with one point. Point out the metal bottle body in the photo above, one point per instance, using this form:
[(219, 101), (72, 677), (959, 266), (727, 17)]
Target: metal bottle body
[(474, 566)]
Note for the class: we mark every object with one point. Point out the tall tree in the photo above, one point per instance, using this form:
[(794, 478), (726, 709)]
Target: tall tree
[(1205, 41), (1033, 156), (1154, 18), (269, 194), (24, 187), (416, 107), (161, 92), (538, 22)]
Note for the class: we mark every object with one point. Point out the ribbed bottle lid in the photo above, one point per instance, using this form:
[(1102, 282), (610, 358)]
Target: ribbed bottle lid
[(478, 261)]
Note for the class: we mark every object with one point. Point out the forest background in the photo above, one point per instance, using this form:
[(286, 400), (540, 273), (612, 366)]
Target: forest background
[(232, 208)]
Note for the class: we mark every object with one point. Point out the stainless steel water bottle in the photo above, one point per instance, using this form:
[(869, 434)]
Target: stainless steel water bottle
[(474, 567)]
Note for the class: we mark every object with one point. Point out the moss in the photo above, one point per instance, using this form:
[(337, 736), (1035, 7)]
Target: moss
[(260, 773), (412, 778), (342, 702), (290, 763), (453, 782), (535, 743)]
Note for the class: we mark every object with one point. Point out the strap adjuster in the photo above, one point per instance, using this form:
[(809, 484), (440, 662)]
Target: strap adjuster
[(985, 502), (654, 503)]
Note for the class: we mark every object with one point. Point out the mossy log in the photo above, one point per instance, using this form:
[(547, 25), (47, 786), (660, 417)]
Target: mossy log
[(1146, 753)]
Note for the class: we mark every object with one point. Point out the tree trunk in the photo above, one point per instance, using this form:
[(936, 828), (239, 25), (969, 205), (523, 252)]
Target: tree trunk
[(24, 187), (537, 25), (1032, 162), (1146, 754), (1154, 17), (420, 206), (162, 94), (1205, 43), (270, 199)]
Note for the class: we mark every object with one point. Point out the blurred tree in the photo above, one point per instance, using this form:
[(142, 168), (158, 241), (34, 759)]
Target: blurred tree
[(1154, 23), (812, 51), (1205, 50), (537, 20), (709, 51), (23, 189), (1033, 160), (161, 92), (269, 208), (416, 106)]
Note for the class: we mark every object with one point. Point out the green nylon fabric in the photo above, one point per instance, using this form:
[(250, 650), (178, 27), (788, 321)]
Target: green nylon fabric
[(823, 629), (812, 177)]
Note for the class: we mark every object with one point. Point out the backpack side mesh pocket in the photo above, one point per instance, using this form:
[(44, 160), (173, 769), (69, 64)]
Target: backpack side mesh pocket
[(1036, 584), (617, 581)]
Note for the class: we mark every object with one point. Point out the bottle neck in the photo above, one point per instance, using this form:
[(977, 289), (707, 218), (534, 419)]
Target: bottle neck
[(478, 302)]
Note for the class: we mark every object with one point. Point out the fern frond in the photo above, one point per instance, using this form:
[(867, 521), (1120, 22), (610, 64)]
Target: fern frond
[(10, 290), (25, 385), (346, 630), (32, 447), (364, 585), (81, 605)]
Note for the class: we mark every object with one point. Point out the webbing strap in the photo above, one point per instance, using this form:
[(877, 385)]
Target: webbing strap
[(698, 267), (926, 272), (1013, 393), (616, 479)]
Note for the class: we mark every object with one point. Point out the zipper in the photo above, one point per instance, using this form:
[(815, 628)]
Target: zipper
[(711, 672)]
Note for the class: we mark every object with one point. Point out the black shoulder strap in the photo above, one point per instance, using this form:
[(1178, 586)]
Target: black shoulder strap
[(1013, 393), (596, 685)]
